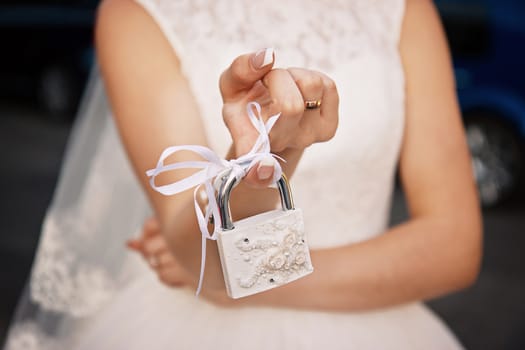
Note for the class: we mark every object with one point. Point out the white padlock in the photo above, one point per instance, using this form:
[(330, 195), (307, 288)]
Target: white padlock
[(263, 251)]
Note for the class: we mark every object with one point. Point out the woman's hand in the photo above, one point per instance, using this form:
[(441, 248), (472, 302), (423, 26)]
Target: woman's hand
[(153, 247), (251, 78)]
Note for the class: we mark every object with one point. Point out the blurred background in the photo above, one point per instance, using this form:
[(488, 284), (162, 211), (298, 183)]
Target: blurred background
[(46, 53)]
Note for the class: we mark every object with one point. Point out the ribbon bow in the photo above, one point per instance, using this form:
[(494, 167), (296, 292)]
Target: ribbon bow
[(212, 166)]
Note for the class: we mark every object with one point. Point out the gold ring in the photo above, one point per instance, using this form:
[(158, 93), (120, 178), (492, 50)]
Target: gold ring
[(312, 104)]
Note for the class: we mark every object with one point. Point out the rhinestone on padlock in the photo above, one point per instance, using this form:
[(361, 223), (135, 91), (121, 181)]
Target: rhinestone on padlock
[(263, 251)]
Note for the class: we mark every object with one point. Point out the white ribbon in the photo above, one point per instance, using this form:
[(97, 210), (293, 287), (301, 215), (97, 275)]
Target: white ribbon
[(212, 166)]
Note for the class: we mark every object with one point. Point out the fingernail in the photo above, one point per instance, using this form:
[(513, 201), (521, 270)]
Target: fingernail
[(262, 58), (265, 169)]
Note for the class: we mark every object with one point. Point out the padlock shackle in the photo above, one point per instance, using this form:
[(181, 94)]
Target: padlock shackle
[(286, 193), (228, 181)]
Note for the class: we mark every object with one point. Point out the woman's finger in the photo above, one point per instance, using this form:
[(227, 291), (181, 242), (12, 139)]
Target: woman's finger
[(135, 244), (244, 71), (172, 276), (154, 245), (320, 122), (170, 272), (165, 259), (151, 227), (160, 260), (329, 109), (286, 99), (310, 84), (261, 175)]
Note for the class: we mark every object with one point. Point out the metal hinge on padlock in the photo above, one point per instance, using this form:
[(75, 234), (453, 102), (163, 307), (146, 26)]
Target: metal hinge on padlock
[(263, 251)]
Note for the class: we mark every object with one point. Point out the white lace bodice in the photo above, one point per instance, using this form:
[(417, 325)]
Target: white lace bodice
[(317, 34), (344, 186)]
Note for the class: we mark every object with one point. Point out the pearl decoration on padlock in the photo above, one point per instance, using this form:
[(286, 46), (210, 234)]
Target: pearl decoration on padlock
[(264, 251)]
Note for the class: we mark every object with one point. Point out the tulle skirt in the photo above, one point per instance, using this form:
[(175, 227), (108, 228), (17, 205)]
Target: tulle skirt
[(149, 315)]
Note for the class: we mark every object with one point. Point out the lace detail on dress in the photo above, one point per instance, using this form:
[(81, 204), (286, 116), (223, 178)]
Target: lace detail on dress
[(61, 283), (28, 336), (311, 33), (81, 254)]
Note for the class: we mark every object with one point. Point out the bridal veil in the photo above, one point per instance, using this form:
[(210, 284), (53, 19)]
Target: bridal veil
[(81, 258)]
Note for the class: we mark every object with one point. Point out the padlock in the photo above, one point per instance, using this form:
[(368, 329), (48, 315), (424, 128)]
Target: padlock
[(263, 251)]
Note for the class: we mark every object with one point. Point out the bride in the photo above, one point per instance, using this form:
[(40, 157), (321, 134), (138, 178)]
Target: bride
[(388, 64)]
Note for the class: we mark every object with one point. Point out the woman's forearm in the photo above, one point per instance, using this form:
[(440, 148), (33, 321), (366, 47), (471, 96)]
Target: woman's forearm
[(420, 259)]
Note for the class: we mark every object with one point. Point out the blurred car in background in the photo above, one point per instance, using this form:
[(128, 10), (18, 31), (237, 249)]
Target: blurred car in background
[(46, 51), (487, 39)]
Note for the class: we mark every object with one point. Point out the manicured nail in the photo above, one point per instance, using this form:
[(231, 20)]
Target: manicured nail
[(262, 58), (265, 169)]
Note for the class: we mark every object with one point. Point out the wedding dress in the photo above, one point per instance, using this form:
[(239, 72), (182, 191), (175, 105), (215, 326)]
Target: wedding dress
[(88, 292)]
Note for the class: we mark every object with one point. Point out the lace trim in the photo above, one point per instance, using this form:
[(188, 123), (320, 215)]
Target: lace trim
[(60, 282), (311, 33), (28, 336)]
